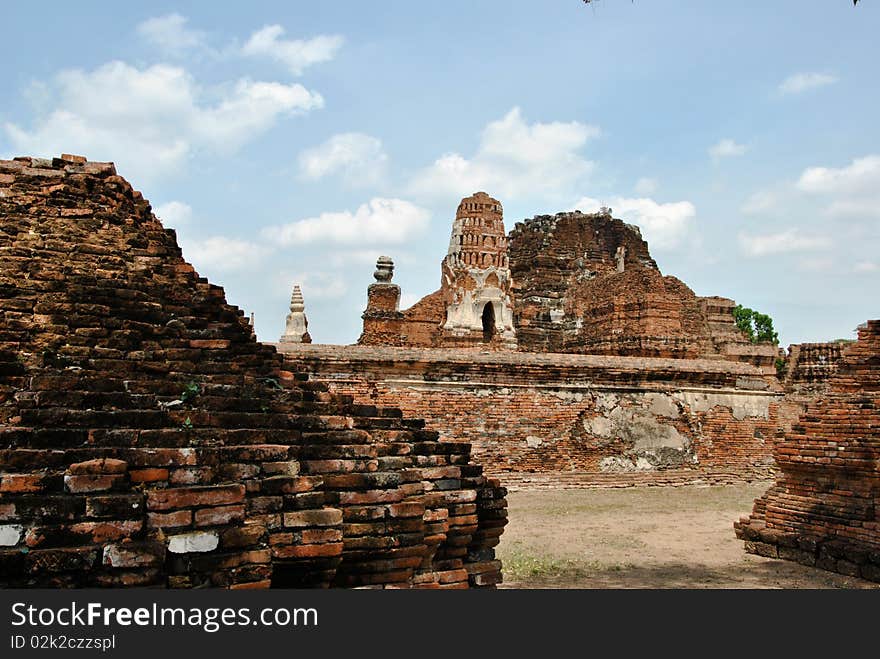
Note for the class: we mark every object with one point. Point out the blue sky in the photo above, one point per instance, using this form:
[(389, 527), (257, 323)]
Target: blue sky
[(296, 141)]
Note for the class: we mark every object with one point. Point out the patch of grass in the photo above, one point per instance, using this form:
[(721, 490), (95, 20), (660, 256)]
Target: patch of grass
[(522, 565)]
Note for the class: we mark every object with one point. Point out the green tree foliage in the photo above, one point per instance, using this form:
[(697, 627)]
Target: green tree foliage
[(755, 325)]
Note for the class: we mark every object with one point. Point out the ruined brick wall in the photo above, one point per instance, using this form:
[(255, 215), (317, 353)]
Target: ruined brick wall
[(586, 283), (146, 438), (823, 509), (567, 283), (419, 326), (809, 367), (607, 419)]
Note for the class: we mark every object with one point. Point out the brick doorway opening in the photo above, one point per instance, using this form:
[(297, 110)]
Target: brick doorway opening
[(488, 322)]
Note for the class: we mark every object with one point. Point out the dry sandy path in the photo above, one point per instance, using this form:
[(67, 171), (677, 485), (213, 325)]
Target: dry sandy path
[(645, 537)]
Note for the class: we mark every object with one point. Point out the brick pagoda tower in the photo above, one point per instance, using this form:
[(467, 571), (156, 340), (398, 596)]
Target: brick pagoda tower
[(475, 282)]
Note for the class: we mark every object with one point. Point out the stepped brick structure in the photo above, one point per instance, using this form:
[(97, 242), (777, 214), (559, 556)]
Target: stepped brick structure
[(809, 367), (586, 283), (823, 508), (146, 438)]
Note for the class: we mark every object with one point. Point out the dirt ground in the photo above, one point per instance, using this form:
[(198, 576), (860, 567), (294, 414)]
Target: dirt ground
[(645, 537)]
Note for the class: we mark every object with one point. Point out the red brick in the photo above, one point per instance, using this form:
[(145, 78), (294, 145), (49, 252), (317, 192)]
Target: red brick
[(93, 483), (100, 466), (18, 483), (306, 518), (194, 496), (219, 515), (148, 475), (169, 520), (307, 551), (210, 344), (314, 536)]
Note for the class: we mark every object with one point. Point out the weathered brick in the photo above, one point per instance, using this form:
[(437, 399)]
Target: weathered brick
[(307, 551), (194, 496), (219, 515), (169, 520), (148, 475), (99, 466), (94, 483), (16, 483), (305, 518)]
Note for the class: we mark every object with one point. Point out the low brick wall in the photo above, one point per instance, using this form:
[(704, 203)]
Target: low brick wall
[(623, 420)]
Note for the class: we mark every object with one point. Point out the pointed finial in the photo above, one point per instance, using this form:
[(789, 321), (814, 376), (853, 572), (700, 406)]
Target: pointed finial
[(297, 325)]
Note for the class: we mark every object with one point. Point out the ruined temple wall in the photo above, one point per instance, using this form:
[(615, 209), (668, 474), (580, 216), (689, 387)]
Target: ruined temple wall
[(609, 419), (824, 509), (809, 367), (586, 284)]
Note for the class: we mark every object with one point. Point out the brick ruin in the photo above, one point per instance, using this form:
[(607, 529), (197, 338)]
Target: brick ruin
[(147, 438), (567, 283), (809, 367), (473, 306), (562, 420), (824, 509), (505, 355), (586, 283)]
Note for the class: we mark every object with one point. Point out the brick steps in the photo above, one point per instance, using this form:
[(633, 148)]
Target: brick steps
[(260, 477)]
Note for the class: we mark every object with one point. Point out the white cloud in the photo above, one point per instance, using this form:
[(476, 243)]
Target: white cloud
[(222, 254), (790, 240), (151, 120), (662, 225), (727, 148), (513, 159), (171, 34), (315, 285), (359, 158), (863, 175), (851, 191), (646, 186), (801, 82), (760, 202), (295, 54), (345, 257), (174, 214), (378, 221), (818, 264), (866, 267)]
